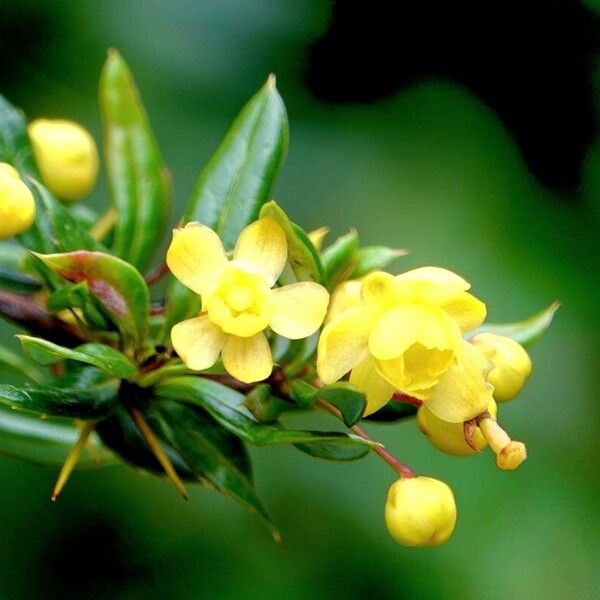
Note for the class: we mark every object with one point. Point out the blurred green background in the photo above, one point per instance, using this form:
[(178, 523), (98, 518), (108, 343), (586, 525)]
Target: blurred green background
[(430, 168)]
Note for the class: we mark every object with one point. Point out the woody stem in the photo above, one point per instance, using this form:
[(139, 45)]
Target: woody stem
[(389, 458)]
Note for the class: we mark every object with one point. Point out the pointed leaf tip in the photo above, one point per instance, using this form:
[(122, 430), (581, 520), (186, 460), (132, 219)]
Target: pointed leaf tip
[(272, 81)]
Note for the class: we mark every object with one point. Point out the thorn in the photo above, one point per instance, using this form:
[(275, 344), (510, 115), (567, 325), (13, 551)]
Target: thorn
[(72, 458), (158, 450)]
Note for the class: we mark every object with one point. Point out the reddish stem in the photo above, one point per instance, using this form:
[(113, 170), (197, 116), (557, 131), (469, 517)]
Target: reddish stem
[(157, 273), (390, 459)]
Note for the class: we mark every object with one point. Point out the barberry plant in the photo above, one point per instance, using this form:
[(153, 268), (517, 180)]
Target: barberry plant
[(253, 320)]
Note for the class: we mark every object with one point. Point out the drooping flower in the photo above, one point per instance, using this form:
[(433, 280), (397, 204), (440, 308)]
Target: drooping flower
[(450, 437), (66, 155), (405, 334), (238, 298), (17, 206), (420, 511)]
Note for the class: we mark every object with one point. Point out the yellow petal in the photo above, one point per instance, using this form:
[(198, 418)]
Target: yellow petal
[(343, 344), (198, 342), (298, 309), (248, 359), (462, 392), (401, 327), (345, 296), (466, 310), (378, 288), (263, 245), (430, 283), (195, 256), (366, 378)]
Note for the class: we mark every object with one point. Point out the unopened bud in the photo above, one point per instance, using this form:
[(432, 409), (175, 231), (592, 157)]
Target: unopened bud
[(17, 206), (450, 437), (512, 365), (66, 156), (420, 511)]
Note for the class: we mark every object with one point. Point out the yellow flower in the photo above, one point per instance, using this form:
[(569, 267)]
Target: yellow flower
[(450, 437), (66, 156), (420, 511), (512, 365), (238, 298), (405, 335), (17, 206)]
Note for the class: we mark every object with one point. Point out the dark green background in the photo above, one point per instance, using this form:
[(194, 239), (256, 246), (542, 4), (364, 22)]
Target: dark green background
[(431, 169)]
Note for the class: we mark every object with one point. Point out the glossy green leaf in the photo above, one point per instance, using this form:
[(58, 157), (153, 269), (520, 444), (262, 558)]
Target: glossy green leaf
[(264, 406), (338, 260), (46, 442), (93, 403), (348, 399), (12, 277), (119, 433), (302, 256), (15, 147), (108, 359), (212, 453), (225, 405), (234, 184), (55, 228), (138, 181), (236, 181), (118, 287), (525, 332), (77, 295), (374, 258)]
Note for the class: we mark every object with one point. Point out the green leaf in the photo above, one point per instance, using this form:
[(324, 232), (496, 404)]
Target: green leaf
[(12, 278), (55, 228), (224, 405), (93, 403), (138, 180), (15, 147), (302, 256), (347, 398), (525, 332), (212, 453), (339, 259), (46, 442), (235, 183), (77, 295), (111, 361), (119, 433), (118, 287), (264, 406), (374, 258)]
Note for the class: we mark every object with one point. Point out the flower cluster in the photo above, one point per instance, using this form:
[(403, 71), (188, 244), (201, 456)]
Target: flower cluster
[(258, 319)]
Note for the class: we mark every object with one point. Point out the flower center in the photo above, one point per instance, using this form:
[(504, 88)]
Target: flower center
[(241, 301)]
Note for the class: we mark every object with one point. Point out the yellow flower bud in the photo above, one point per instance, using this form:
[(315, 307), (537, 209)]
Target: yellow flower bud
[(420, 511), (66, 156), (512, 365), (450, 437), (17, 206)]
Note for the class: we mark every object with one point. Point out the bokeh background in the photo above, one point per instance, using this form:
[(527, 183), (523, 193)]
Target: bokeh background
[(470, 137)]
